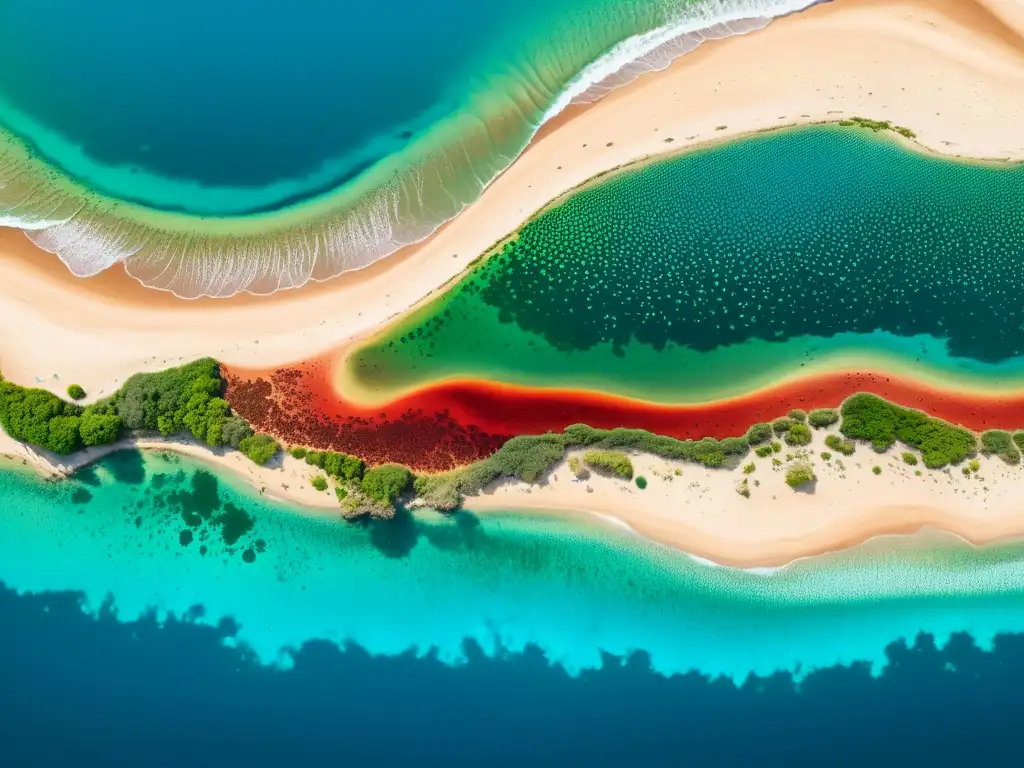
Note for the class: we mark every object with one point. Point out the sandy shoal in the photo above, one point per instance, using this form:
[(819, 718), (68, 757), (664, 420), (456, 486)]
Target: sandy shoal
[(700, 511), (953, 70)]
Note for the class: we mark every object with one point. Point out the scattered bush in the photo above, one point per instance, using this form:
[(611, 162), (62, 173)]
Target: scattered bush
[(776, 446), (798, 415), (974, 465), (315, 458), (759, 433), (641, 482), (609, 462), (876, 469), (826, 456), (386, 483), (838, 444), (743, 488), (259, 448), (799, 474), (577, 468), (1000, 443), (909, 458), (75, 392), (340, 491), (782, 425), (764, 451), (319, 482), (822, 417), (297, 452), (748, 468), (798, 434)]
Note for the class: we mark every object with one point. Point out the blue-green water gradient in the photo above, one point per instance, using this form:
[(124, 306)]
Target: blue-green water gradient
[(161, 533)]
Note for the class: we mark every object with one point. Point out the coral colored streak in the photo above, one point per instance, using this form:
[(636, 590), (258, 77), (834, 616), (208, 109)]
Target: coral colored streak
[(442, 426)]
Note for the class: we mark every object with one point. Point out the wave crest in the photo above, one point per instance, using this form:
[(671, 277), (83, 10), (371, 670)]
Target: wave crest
[(390, 207)]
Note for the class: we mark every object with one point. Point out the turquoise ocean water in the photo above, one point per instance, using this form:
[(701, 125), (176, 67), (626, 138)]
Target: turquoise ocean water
[(217, 149), (138, 534)]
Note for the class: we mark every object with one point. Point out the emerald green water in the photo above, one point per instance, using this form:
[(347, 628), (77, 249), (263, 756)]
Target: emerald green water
[(707, 274), (160, 533)]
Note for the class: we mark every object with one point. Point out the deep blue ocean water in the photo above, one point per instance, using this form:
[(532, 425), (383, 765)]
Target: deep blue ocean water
[(79, 690), (153, 613)]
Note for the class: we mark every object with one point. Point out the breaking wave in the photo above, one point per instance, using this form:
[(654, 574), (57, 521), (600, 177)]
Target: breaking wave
[(401, 200)]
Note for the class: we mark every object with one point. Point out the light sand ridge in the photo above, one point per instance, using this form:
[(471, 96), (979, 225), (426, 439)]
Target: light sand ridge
[(949, 69), (700, 511)]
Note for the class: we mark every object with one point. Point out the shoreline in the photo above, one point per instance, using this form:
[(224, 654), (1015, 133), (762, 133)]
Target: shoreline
[(685, 506), (810, 66)]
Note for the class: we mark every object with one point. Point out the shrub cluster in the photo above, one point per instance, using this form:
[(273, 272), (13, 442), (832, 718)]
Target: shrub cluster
[(707, 451), (340, 466), (840, 445), (42, 419), (869, 417), (782, 425), (386, 483), (760, 433), (799, 474), (822, 417), (76, 392), (609, 463), (798, 415), (259, 448), (798, 434), (1000, 443)]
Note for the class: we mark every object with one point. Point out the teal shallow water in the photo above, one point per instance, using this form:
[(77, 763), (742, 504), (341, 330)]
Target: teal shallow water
[(326, 134), (153, 532)]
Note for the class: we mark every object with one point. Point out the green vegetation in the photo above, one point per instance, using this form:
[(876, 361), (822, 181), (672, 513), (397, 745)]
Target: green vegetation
[(826, 456), (743, 488), (319, 482), (576, 467), (776, 446), (798, 434), (876, 469), (749, 468), (878, 125), (297, 452), (838, 444), (759, 433), (386, 483), (798, 415), (799, 474), (909, 458), (340, 491), (869, 417), (1000, 443), (641, 482), (823, 417), (764, 451), (974, 465), (259, 448), (75, 391), (609, 462), (1018, 439), (782, 425)]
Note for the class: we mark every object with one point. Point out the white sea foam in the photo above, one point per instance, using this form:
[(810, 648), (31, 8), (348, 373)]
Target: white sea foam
[(91, 235)]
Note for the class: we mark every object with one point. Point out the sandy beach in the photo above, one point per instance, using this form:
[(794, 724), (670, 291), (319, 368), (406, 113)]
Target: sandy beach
[(700, 511), (951, 70)]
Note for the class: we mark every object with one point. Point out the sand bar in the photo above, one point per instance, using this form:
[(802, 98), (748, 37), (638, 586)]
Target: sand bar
[(953, 70), (700, 511)]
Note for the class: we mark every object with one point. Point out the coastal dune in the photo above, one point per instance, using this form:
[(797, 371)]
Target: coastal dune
[(951, 70)]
